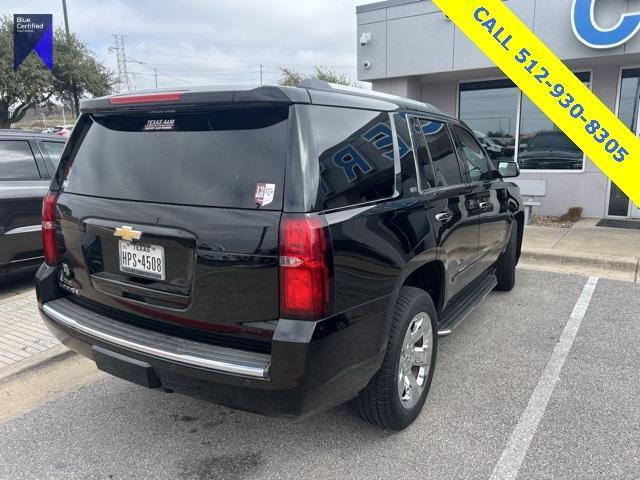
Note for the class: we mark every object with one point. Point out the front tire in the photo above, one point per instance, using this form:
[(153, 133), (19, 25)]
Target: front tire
[(506, 271), (396, 394)]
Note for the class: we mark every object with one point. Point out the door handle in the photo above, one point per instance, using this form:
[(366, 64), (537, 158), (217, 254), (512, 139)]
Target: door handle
[(485, 205), (444, 216)]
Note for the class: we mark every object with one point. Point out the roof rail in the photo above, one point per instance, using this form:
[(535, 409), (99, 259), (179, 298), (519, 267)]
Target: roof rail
[(315, 84)]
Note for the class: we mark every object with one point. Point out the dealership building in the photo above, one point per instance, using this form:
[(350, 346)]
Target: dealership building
[(410, 48)]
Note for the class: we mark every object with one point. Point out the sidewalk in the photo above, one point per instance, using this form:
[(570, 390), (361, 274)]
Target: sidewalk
[(584, 249), (24, 340)]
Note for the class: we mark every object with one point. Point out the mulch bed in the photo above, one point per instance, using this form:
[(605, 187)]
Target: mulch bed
[(556, 222)]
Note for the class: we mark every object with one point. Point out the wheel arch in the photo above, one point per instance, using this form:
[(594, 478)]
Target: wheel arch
[(427, 272), (520, 218)]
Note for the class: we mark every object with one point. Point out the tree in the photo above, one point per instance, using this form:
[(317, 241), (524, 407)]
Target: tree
[(32, 85), (76, 72), (292, 78), (332, 76)]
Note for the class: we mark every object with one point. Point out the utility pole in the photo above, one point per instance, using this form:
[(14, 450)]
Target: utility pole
[(74, 88), (155, 76), (260, 74), (123, 81), (66, 17)]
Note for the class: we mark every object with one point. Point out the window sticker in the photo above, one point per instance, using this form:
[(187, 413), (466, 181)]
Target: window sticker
[(265, 193), (154, 125)]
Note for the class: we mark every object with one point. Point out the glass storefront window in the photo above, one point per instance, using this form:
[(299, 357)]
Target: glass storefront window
[(491, 110), (628, 113), (542, 145)]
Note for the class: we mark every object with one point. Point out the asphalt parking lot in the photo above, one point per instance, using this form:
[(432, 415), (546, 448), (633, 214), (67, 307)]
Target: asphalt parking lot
[(547, 336)]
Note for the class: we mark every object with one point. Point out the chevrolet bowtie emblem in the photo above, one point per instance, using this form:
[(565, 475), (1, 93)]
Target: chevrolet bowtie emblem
[(127, 233)]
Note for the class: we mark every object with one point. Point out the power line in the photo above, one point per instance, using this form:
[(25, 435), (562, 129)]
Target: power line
[(236, 45), (198, 57)]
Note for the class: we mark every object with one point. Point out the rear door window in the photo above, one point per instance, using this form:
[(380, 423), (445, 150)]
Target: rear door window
[(17, 161), (355, 149), (443, 155), (227, 158), (54, 150)]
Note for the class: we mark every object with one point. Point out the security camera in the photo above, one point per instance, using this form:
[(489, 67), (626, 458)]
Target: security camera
[(366, 65), (365, 39)]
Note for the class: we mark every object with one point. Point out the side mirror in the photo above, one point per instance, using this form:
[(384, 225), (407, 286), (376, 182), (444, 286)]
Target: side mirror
[(508, 169)]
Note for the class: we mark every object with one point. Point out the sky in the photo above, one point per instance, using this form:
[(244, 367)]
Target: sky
[(212, 42)]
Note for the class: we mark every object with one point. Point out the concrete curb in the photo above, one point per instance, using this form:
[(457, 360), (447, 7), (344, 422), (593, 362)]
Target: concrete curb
[(54, 354), (608, 266)]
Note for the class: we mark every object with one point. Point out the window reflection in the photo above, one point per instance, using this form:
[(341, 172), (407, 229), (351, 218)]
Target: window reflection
[(543, 146), (356, 156), (491, 110), (628, 113)]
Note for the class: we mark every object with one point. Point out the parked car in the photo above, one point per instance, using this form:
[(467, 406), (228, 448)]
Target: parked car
[(277, 249), (494, 149), (27, 160), (550, 150), (63, 130)]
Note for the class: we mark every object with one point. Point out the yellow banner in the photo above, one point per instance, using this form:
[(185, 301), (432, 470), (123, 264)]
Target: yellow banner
[(552, 87)]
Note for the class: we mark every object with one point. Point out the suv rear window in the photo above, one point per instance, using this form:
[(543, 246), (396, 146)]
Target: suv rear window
[(208, 159)]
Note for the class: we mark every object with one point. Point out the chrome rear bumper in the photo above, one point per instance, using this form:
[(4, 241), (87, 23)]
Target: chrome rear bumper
[(156, 344)]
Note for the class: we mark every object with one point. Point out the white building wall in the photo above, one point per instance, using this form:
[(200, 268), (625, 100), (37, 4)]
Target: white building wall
[(417, 53)]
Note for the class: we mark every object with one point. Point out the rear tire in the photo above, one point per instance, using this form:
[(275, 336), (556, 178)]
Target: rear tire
[(396, 394), (506, 272)]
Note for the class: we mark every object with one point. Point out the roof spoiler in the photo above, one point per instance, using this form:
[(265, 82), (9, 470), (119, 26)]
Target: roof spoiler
[(315, 84), (195, 97)]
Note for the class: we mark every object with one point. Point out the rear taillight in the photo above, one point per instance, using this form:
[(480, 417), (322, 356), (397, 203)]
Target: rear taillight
[(49, 216), (304, 267)]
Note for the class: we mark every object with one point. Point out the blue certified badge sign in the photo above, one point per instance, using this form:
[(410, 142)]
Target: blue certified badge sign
[(32, 33)]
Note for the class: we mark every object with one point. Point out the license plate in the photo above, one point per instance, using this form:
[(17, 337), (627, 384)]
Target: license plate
[(142, 259)]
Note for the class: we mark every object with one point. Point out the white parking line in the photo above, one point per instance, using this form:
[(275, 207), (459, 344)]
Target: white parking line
[(518, 445)]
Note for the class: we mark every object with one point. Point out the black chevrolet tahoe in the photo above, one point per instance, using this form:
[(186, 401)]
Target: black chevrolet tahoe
[(275, 249)]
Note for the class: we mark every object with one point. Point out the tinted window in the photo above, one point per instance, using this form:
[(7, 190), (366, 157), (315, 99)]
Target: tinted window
[(471, 152), (423, 162), (443, 156), (210, 159), (54, 150), (16, 161), (355, 150), (407, 162)]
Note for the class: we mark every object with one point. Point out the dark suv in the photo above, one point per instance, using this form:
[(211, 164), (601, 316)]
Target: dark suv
[(277, 249), (27, 162)]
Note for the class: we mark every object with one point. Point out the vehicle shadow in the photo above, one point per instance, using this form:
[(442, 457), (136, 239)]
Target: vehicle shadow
[(16, 282)]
